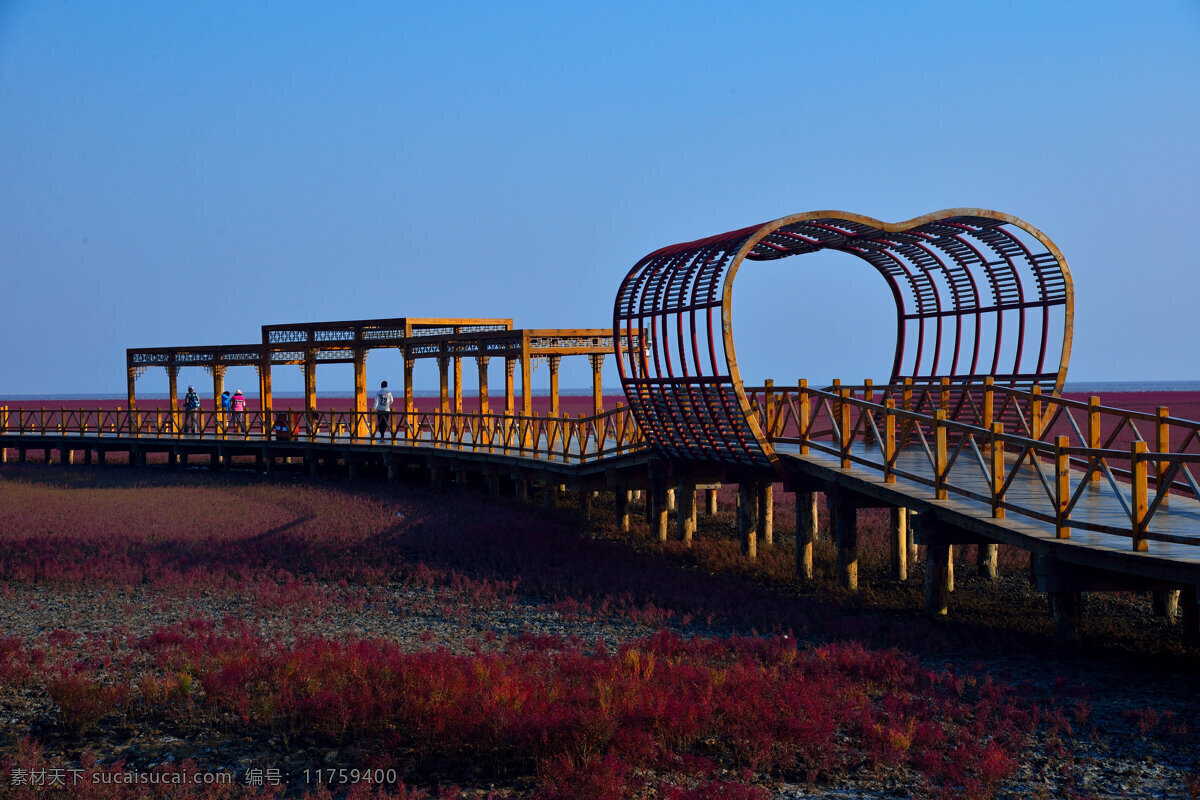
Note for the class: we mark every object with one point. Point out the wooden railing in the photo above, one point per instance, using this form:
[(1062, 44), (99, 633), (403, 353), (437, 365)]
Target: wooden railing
[(961, 436), (555, 438)]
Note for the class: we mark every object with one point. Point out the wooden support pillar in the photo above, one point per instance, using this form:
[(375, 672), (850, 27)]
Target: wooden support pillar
[(47, 456), (597, 360), (393, 469), (87, 456), (443, 384), (1165, 603), (551, 498), (1067, 610), (359, 428), (173, 458), (482, 363), (950, 570), (313, 462), (521, 490), (526, 381), (131, 374), (748, 519), (670, 498), (493, 483), (846, 536), (510, 403), (806, 533), (265, 400), (21, 455), (937, 564), (621, 504), (685, 509), (554, 362), (458, 401), (259, 462), (66, 456), (912, 540), (585, 503), (710, 501), (898, 541), (173, 389), (352, 467), (310, 384), (218, 376), (410, 409), (766, 513), (986, 560), (658, 504), (437, 475)]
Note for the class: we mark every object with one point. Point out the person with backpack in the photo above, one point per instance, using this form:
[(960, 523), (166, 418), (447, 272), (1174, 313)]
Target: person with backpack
[(383, 411), (191, 411), (237, 404), (225, 407)]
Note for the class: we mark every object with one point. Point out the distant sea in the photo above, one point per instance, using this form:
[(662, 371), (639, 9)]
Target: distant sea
[(1078, 387)]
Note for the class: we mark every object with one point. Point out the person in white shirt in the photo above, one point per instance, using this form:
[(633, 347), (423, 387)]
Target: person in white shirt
[(383, 411)]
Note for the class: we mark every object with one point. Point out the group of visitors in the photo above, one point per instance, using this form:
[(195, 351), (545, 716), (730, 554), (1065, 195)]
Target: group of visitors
[(233, 410)]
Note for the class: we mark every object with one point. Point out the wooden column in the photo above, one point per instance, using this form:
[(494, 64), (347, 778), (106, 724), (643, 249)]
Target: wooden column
[(218, 376), (846, 536), (458, 401), (510, 405), (806, 532), (526, 385), (937, 593), (658, 504), (585, 503), (710, 501), (554, 362), (443, 384), (621, 504), (986, 560), (266, 401), (748, 518), (685, 509), (597, 360), (766, 513), (360, 392), (1165, 603), (521, 490), (310, 382), (173, 389), (410, 409), (898, 541), (131, 386), (482, 363), (1067, 610)]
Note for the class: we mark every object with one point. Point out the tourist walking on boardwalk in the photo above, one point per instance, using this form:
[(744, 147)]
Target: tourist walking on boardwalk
[(237, 404), (225, 407), (383, 411), (191, 409)]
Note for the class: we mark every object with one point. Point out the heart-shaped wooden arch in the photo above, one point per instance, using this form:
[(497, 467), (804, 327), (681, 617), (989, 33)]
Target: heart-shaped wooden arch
[(978, 293)]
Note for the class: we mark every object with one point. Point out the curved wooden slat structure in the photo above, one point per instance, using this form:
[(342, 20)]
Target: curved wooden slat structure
[(978, 294)]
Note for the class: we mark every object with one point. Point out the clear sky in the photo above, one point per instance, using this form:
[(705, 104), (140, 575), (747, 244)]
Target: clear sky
[(182, 173)]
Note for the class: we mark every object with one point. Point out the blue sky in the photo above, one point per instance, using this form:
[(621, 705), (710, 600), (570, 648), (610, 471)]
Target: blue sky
[(184, 173)]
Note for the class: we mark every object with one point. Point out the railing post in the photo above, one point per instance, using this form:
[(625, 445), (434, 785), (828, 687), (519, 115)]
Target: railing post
[(1140, 509), (944, 394), (906, 394), (802, 389), (997, 445), (889, 440), (939, 461), (769, 410), (844, 426), (1094, 432), (989, 402), (1062, 488), (1035, 412), (1162, 444)]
